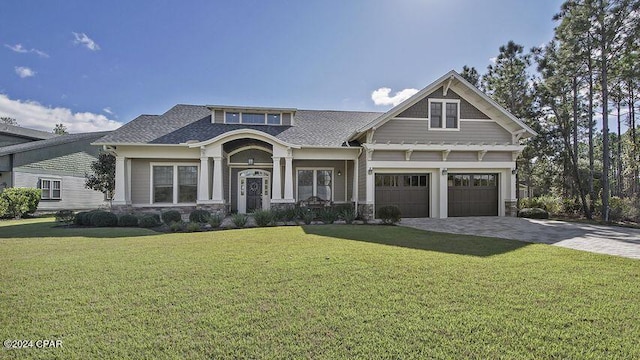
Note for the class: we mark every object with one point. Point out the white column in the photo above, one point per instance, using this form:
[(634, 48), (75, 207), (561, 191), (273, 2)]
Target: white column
[(288, 179), (119, 196), (276, 183), (203, 186), (217, 179), (444, 195)]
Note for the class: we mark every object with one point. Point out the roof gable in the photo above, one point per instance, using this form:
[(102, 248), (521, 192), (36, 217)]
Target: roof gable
[(466, 91), (25, 132)]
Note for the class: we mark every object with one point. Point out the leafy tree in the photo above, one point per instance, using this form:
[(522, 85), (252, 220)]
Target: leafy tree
[(60, 129), (471, 75), (8, 121), (103, 175)]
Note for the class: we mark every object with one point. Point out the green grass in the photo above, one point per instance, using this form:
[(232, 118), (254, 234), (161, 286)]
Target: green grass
[(333, 291)]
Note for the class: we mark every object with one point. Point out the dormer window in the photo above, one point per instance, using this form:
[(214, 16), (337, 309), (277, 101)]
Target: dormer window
[(444, 114), (252, 118)]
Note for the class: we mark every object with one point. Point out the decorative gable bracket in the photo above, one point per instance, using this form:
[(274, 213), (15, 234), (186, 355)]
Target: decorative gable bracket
[(481, 154), (407, 154), (516, 136), (445, 154), (446, 86)]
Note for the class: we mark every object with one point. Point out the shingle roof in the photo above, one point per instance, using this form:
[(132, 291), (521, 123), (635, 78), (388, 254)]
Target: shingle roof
[(25, 132), (58, 140), (193, 122)]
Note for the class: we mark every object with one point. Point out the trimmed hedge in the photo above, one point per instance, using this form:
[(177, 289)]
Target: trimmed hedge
[(103, 219), (171, 216), (533, 213), (149, 221), (199, 216), (127, 220), (18, 202), (65, 216), (389, 214)]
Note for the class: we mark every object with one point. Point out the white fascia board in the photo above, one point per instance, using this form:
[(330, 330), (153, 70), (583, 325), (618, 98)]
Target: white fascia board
[(136, 144), (250, 108), (158, 152), (326, 153), (413, 165), (443, 147)]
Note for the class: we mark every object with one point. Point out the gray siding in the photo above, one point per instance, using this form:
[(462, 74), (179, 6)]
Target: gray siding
[(286, 119), (350, 174), (388, 156), (5, 180), (421, 108), (74, 196), (409, 131), (234, 188), (463, 156), (225, 179), (362, 177), (72, 159), (498, 156), (426, 156), (6, 139), (258, 156), (338, 181)]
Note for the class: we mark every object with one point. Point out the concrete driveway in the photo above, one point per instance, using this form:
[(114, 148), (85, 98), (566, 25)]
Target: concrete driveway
[(601, 239)]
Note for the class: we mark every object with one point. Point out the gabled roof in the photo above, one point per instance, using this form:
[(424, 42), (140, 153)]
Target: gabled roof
[(182, 123), (57, 140), (25, 132), (450, 76)]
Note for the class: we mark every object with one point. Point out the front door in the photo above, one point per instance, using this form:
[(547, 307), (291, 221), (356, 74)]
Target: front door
[(254, 194)]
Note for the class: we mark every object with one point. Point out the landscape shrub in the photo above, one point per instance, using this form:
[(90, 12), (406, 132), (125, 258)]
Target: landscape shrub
[(239, 220), (171, 216), (551, 203), (18, 202), (348, 214), (79, 217), (215, 221), (308, 216), (622, 209), (193, 227), (149, 221), (263, 217), (104, 219), (84, 217), (127, 220), (199, 216), (569, 206), (65, 216), (279, 215), (176, 226), (533, 213), (389, 214), (290, 214), (328, 215)]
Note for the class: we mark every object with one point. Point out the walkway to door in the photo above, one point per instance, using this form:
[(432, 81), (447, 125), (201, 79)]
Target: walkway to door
[(601, 239)]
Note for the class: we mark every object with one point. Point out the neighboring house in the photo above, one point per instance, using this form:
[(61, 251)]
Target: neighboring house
[(57, 166), (447, 151), (11, 135)]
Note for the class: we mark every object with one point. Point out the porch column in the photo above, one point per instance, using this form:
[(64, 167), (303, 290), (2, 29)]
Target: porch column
[(120, 193), (288, 179), (444, 194), (276, 192), (203, 185), (217, 179)]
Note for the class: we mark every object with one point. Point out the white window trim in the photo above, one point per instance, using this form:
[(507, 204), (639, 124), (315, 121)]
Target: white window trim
[(175, 181), (444, 103), (240, 113), (51, 181), (314, 192)]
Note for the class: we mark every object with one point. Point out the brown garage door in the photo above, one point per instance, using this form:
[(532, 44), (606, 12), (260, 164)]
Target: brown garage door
[(473, 194), (409, 192)]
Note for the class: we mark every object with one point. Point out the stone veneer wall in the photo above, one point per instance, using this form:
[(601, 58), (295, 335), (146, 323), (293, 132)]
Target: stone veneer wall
[(365, 211), (511, 208)]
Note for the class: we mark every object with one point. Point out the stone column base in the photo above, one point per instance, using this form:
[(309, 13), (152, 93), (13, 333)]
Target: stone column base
[(511, 208), (365, 211)]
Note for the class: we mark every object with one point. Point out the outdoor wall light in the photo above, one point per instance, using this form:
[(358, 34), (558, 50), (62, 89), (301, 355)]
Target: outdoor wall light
[(370, 171), (514, 172), (444, 171), (339, 173), (250, 161)]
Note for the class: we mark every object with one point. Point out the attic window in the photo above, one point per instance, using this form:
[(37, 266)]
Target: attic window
[(444, 114), (253, 118)]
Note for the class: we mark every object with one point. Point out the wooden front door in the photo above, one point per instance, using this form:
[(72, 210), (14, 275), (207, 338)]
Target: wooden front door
[(254, 194)]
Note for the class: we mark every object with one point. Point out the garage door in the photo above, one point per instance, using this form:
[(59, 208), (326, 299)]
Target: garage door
[(409, 192), (473, 194)]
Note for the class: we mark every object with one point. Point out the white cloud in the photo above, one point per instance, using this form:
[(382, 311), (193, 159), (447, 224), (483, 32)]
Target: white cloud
[(83, 39), (108, 110), (493, 60), (17, 48), (21, 49), (31, 114), (382, 96), (24, 72)]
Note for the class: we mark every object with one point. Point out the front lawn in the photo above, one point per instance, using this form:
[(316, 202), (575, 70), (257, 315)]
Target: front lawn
[(313, 292)]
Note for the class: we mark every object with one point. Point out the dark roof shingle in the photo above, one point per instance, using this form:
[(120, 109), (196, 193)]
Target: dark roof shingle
[(58, 140)]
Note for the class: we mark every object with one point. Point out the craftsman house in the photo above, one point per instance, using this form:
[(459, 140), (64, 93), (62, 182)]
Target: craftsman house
[(449, 150)]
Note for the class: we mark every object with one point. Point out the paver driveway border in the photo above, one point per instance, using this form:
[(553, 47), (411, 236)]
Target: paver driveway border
[(612, 240)]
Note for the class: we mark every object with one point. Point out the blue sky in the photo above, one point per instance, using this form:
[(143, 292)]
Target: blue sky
[(96, 64)]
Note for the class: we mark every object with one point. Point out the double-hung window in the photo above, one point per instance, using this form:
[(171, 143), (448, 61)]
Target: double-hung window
[(51, 189), (315, 182), (444, 114), (174, 184)]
